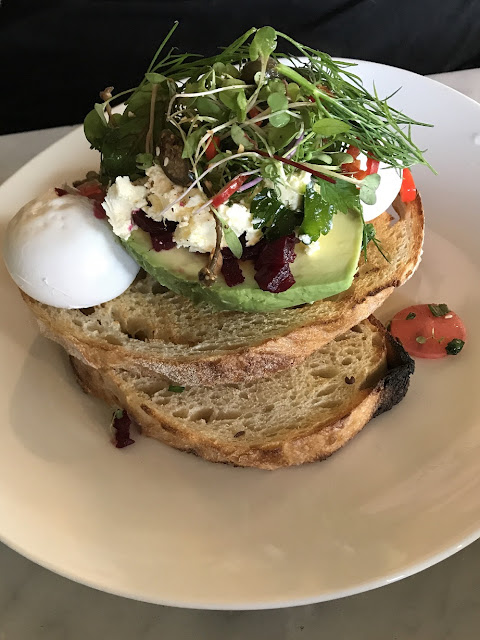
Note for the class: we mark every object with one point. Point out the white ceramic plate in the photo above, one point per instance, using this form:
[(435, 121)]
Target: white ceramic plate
[(151, 523)]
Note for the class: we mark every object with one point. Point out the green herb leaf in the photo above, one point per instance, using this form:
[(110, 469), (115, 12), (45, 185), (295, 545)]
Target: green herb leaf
[(239, 136), (271, 215), (155, 78), (118, 414), (192, 141), (279, 138), (293, 91), (95, 128), (279, 119), (411, 316), (341, 195), (421, 339), (231, 237), (175, 388), (439, 310), (328, 127), (454, 346), (209, 107), (144, 160), (318, 213), (241, 109), (340, 157), (277, 101), (263, 43), (368, 187)]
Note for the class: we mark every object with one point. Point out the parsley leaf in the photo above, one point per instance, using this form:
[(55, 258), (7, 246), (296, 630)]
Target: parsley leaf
[(411, 316), (438, 310), (454, 346), (318, 214), (271, 215), (341, 195)]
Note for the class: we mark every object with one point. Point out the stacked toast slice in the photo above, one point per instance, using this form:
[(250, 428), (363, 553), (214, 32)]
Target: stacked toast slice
[(262, 390)]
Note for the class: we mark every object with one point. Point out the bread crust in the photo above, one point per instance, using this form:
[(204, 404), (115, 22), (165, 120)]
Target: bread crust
[(318, 443), (291, 344)]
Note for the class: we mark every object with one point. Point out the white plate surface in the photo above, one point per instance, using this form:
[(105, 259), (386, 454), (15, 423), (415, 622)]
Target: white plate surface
[(154, 524)]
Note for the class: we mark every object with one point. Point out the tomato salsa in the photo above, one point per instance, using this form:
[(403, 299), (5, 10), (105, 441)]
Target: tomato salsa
[(429, 330)]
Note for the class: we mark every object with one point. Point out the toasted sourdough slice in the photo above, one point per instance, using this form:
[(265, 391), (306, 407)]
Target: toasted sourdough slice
[(302, 414), (152, 330)]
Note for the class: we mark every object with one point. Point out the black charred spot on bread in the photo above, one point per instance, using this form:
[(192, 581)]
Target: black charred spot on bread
[(396, 382)]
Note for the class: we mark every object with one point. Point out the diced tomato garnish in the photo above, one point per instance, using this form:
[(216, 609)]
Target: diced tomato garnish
[(213, 148), (408, 190), (93, 190), (353, 151), (425, 335)]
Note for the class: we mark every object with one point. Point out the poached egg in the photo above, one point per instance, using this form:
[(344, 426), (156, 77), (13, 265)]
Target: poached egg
[(60, 254)]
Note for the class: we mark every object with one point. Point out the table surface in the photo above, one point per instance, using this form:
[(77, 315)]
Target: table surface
[(441, 603)]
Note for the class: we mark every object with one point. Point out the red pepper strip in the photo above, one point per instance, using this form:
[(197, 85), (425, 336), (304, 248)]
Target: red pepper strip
[(297, 165), (213, 148), (372, 166), (408, 190), (228, 190), (353, 151)]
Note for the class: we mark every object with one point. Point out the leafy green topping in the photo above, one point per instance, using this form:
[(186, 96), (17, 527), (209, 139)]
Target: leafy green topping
[(272, 216), (454, 346), (318, 214), (411, 316), (439, 310)]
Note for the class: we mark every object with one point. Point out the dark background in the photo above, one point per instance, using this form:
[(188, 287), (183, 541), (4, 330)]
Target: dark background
[(55, 56)]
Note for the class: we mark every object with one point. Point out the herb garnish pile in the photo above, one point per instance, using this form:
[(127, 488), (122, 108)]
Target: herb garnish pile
[(254, 110)]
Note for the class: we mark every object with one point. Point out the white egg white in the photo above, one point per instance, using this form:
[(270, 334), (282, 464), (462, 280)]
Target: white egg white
[(390, 183), (60, 254)]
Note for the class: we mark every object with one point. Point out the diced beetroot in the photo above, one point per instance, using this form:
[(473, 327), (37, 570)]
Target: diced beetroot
[(60, 192), (161, 233), (252, 253), (98, 210), (122, 423), (278, 253), (162, 242), (273, 265), (231, 270), (148, 224), (274, 279)]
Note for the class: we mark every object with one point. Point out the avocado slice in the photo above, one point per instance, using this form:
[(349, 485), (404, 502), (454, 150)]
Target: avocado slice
[(326, 272)]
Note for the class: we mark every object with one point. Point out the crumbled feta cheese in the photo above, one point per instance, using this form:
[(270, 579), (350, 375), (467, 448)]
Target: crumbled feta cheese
[(306, 239), (162, 192), (291, 193), (239, 219), (195, 230), (198, 233), (122, 198), (312, 248)]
